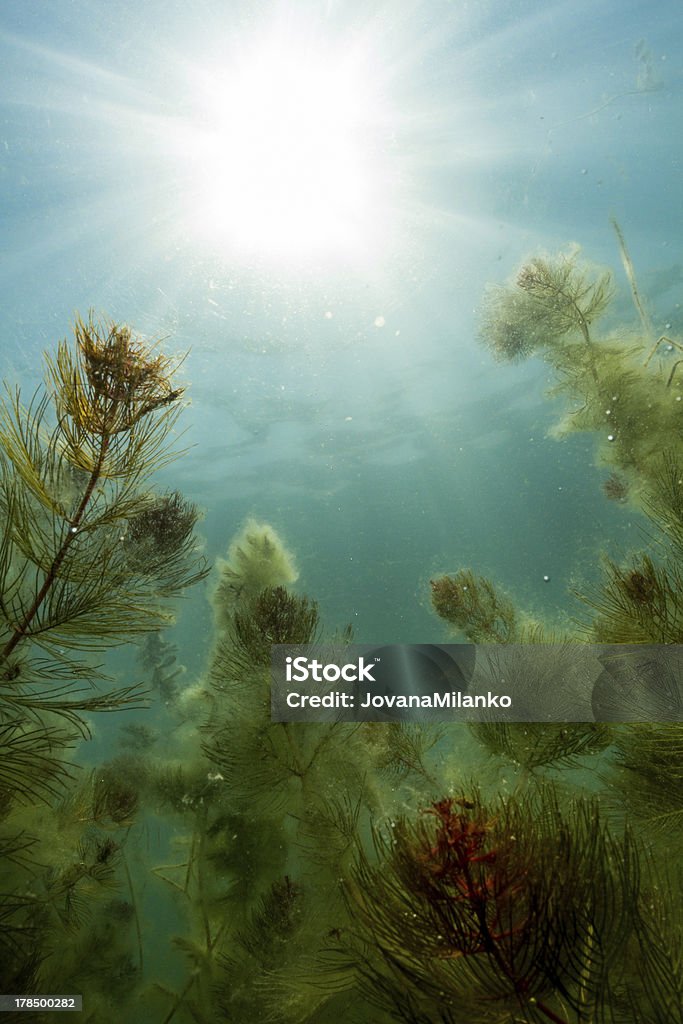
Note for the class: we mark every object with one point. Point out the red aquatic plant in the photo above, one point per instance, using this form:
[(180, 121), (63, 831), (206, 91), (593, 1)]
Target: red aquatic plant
[(472, 872), (520, 906)]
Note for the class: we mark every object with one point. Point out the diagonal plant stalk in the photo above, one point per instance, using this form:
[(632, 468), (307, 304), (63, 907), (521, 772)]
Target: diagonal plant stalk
[(21, 630), (113, 401)]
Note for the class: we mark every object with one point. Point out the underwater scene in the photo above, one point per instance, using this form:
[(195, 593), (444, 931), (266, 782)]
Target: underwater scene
[(337, 323)]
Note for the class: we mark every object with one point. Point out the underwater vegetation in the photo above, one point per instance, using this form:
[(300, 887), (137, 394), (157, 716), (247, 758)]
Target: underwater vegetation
[(514, 910), (222, 866), (89, 558), (615, 488), (615, 388)]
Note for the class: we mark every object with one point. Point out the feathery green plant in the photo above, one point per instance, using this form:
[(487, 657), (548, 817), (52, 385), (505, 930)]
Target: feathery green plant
[(636, 410), (88, 552), (89, 558)]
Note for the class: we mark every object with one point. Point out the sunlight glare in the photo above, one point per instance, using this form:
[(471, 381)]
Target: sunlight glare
[(287, 164)]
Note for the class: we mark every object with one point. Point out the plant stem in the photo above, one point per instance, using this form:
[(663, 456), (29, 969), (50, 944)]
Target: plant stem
[(492, 948), (135, 907), (549, 1013), (21, 630)]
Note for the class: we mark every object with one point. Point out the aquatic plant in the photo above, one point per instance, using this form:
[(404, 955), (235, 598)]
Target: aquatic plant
[(550, 309), (518, 910), (328, 871), (163, 672), (533, 745), (616, 388), (70, 491), (257, 558), (553, 297), (638, 603), (473, 605), (635, 409), (89, 557), (274, 616), (648, 774), (615, 487)]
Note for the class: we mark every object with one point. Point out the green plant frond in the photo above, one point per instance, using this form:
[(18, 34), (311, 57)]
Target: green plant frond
[(273, 924), (30, 448), (657, 926), (93, 601), (10, 599), (18, 928), (614, 394), (21, 671), (649, 774), (98, 569), (265, 780), (104, 395), (540, 744), (111, 380), (552, 299), (69, 580), (329, 829), (646, 322), (69, 621), (160, 548), (66, 702), (158, 658), (115, 794), (568, 296), (89, 557), (70, 901), (131, 457), (618, 373), (32, 766), (663, 501), (639, 604), (475, 607), (399, 749), (34, 536), (274, 616), (257, 560), (15, 849), (151, 445)]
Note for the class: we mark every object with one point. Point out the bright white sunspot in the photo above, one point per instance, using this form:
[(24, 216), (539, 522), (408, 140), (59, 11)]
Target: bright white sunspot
[(286, 161)]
